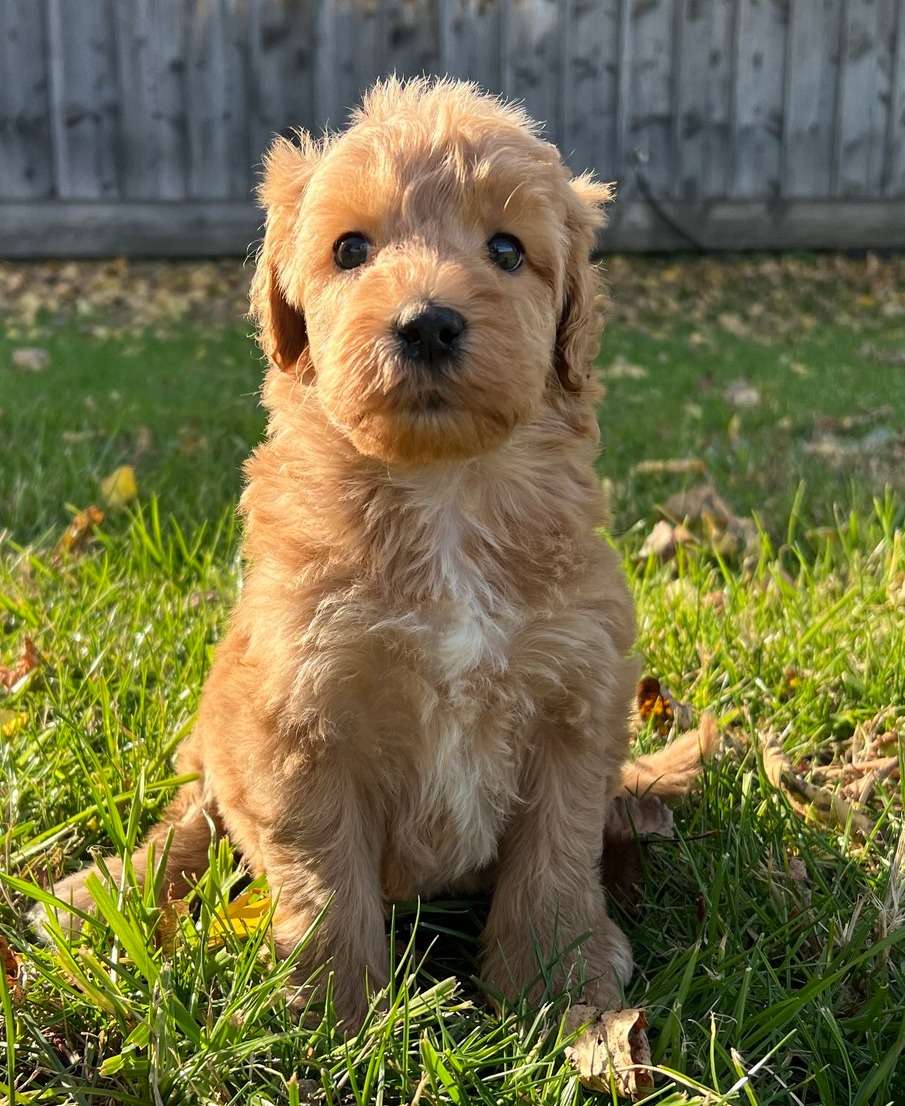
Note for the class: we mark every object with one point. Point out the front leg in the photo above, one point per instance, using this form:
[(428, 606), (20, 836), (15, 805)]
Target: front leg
[(323, 852), (548, 927)]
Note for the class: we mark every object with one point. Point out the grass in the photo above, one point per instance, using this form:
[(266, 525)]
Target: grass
[(770, 945)]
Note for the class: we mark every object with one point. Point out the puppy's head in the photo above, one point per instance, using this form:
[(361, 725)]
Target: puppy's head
[(427, 272)]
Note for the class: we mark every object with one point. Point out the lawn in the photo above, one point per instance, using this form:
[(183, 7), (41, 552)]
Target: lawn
[(769, 930)]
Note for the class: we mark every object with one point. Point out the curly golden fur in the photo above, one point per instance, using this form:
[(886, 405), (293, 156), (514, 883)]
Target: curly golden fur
[(426, 681)]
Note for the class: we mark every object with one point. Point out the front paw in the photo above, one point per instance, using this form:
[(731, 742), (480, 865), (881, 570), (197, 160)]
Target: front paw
[(347, 995), (526, 966)]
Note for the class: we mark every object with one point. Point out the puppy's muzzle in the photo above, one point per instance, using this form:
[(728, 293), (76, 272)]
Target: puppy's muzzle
[(432, 337)]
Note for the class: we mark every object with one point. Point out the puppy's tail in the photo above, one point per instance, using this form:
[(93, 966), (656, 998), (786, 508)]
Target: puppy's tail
[(672, 770), (187, 825)]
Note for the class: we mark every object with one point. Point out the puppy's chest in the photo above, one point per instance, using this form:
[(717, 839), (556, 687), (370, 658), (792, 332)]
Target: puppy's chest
[(468, 749)]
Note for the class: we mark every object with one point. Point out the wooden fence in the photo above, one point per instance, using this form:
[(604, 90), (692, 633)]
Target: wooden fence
[(136, 126)]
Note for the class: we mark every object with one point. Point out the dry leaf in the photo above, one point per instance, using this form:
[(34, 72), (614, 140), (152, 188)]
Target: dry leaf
[(168, 922), (812, 802), (732, 324), (742, 394), (79, 531), (622, 369), (12, 722), (31, 359), (613, 1048), (674, 466), (12, 676), (657, 705), (663, 541), (243, 916), (144, 441), (10, 964), (120, 487), (704, 507)]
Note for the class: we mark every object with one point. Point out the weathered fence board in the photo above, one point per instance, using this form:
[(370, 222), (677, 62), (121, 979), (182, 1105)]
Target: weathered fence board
[(469, 33), (590, 86), (866, 94), (811, 101), (895, 141), (25, 167), (652, 102), (760, 49), (726, 123), (84, 98)]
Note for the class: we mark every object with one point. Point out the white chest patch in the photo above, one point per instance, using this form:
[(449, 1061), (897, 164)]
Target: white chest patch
[(464, 634)]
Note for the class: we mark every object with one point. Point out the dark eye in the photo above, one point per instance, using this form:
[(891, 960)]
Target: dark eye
[(506, 252), (351, 250)]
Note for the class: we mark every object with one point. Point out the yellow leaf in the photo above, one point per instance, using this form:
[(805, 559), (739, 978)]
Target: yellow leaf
[(120, 487), (246, 914), (11, 722)]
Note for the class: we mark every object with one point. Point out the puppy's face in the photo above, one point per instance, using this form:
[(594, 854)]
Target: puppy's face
[(427, 273)]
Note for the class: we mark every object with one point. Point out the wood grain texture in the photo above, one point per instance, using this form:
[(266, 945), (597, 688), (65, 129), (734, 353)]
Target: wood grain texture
[(216, 78), (26, 169), (282, 47), (651, 119), (590, 86), (151, 42), (760, 52), (894, 176), (866, 94), (469, 40), (84, 98), (360, 45), (810, 105), (703, 98), (531, 59)]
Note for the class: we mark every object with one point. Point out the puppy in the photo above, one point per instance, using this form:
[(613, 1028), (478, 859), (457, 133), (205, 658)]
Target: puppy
[(426, 682)]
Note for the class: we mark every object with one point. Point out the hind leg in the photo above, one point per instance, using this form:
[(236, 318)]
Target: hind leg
[(187, 824)]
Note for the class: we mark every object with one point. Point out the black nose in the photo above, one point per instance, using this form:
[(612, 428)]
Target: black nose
[(432, 336)]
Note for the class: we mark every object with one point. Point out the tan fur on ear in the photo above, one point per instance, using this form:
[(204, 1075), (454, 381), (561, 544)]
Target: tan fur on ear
[(281, 321), (578, 330)]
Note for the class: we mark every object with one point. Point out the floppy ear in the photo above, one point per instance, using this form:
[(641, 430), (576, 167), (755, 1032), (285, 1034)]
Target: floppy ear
[(281, 322), (577, 332)]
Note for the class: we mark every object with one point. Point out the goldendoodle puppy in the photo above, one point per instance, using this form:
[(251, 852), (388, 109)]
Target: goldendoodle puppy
[(426, 682)]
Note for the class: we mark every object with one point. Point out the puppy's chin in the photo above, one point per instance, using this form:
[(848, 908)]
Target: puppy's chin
[(430, 435)]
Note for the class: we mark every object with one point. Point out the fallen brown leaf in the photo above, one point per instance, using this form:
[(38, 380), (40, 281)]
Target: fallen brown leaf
[(622, 369), (31, 359), (811, 801), (673, 466), (79, 531), (29, 659), (732, 324), (658, 706), (663, 541), (611, 1049), (742, 394), (10, 965), (704, 507), (168, 922)]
